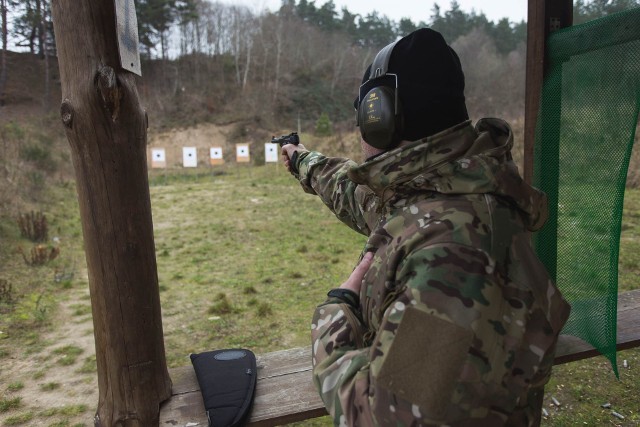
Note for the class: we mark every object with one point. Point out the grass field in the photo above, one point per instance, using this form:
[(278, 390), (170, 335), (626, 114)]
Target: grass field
[(243, 257)]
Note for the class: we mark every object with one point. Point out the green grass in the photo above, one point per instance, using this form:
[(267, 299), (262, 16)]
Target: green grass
[(88, 366), (67, 355), (20, 419), (68, 411), (254, 236), (50, 386), (15, 386), (9, 404), (243, 257), (583, 386)]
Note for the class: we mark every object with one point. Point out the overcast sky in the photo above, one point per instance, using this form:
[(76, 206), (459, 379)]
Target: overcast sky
[(515, 10)]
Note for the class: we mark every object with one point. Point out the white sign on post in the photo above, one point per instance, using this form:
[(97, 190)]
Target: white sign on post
[(242, 153), (158, 158), (189, 157), (270, 152), (127, 27)]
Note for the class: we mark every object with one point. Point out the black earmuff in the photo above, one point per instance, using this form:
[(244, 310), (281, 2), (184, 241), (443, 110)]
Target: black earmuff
[(379, 113)]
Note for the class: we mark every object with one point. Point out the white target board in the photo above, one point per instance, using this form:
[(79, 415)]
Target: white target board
[(270, 152), (242, 153), (158, 158), (215, 156), (189, 157)]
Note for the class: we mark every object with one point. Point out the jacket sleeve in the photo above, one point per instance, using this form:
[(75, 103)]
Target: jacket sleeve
[(340, 362), (327, 178)]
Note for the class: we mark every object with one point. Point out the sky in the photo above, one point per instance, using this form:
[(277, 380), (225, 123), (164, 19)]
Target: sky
[(514, 10)]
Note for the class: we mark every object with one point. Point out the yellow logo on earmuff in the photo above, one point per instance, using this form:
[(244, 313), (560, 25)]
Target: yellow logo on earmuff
[(372, 95)]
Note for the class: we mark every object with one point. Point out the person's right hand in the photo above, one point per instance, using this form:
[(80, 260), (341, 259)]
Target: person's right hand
[(354, 282), (287, 151)]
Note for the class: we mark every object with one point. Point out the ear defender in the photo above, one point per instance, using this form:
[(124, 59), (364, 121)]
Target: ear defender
[(379, 119), (379, 113)]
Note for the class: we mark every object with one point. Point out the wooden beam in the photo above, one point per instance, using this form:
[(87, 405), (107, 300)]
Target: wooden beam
[(106, 129), (543, 17)]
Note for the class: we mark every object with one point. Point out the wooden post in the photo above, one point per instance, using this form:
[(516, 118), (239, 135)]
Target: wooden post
[(106, 128), (544, 16)]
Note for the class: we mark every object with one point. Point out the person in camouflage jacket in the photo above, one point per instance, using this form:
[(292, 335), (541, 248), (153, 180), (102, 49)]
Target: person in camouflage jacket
[(450, 319)]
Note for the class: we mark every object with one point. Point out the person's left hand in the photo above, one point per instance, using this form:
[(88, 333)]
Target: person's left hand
[(354, 282)]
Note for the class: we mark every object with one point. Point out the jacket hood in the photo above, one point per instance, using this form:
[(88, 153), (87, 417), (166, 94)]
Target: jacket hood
[(459, 160)]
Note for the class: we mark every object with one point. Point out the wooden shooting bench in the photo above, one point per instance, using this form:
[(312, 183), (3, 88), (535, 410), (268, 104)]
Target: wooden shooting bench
[(285, 392), (107, 131)]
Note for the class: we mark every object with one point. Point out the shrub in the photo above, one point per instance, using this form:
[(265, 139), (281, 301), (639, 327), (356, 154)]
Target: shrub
[(6, 295), (323, 125), (39, 154), (40, 254), (33, 226)]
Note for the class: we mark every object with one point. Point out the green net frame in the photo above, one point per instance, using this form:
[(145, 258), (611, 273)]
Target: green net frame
[(584, 139)]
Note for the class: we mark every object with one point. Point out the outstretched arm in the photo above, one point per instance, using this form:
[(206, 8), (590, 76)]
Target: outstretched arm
[(327, 178)]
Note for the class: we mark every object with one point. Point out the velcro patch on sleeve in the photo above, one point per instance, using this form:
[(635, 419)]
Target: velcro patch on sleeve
[(424, 362)]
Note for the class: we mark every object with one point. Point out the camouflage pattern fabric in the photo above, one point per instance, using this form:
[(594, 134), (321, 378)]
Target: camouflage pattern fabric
[(458, 319)]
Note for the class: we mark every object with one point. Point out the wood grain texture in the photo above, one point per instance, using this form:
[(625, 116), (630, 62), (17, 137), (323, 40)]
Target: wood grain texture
[(539, 16), (106, 128), (285, 392)]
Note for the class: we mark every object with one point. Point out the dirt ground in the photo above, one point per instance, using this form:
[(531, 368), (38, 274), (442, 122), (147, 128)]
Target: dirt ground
[(59, 389), (56, 392)]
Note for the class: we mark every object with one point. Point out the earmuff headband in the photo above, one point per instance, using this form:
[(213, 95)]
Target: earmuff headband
[(380, 63), (379, 69)]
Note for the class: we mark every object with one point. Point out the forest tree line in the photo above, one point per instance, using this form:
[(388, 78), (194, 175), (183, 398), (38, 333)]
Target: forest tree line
[(206, 59)]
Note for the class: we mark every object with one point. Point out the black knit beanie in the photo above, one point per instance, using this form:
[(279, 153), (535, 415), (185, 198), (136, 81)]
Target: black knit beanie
[(430, 84)]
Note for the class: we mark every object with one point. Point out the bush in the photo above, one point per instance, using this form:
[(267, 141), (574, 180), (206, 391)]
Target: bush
[(5, 292), (33, 226), (40, 255), (323, 125), (40, 156)]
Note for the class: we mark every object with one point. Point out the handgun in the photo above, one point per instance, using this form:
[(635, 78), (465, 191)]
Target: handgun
[(283, 140)]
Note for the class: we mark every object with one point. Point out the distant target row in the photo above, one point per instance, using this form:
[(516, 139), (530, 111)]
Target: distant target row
[(190, 155)]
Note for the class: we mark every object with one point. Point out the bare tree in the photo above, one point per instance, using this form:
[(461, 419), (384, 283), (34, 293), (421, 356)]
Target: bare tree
[(483, 79), (279, 49), (4, 4), (44, 23), (242, 30)]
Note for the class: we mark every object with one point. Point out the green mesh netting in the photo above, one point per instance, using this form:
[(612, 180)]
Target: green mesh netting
[(584, 138)]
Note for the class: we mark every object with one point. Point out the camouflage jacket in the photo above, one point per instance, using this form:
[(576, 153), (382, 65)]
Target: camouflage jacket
[(458, 319)]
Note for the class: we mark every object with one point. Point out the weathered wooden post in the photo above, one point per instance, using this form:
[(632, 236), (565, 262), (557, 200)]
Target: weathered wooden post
[(106, 128), (543, 17)]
